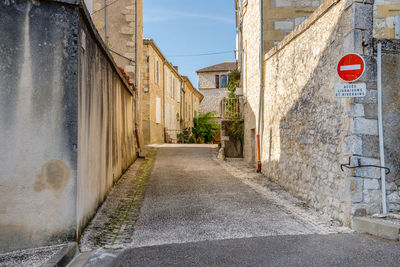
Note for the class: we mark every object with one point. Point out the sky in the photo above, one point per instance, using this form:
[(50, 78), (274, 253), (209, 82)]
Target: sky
[(189, 27)]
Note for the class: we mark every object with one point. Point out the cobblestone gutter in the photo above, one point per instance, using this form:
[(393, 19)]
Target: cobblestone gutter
[(114, 223), (321, 221), (29, 257)]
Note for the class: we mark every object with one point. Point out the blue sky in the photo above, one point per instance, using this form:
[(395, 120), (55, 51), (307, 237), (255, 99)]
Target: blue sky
[(187, 27)]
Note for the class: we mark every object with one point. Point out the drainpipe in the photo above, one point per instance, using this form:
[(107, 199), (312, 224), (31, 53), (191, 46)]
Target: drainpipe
[(261, 100), (139, 93), (136, 43), (380, 129), (163, 87), (136, 124), (105, 22)]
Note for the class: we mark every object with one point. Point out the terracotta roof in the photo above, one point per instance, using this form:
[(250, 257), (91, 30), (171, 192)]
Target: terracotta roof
[(225, 66)]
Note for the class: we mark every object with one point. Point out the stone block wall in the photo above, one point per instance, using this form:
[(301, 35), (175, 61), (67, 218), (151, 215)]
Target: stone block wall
[(391, 120), (212, 100), (307, 132)]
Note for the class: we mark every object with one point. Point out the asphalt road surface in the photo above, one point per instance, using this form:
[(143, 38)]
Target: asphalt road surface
[(196, 214)]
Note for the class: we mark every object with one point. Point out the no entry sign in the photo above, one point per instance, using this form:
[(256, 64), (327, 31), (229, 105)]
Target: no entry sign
[(351, 67)]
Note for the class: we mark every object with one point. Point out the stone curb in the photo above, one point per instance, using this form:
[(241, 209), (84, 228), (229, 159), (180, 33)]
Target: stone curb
[(376, 228), (64, 256)]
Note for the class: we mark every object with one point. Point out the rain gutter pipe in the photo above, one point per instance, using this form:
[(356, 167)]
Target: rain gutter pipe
[(261, 100), (380, 128), (136, 121), (163, 86), (139, 93), (105, 23)]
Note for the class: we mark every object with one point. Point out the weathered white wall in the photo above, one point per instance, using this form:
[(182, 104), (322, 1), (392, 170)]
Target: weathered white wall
[(66, 120), (106, 132), (38, 138)]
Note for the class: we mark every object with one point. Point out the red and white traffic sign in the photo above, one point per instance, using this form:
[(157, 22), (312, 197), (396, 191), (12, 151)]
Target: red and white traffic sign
[(351, 67)]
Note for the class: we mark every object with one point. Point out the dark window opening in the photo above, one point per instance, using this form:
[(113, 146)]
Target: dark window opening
[(216, 81)]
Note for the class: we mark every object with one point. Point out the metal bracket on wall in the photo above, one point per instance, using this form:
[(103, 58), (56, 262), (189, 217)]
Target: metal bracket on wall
[(348, 166)]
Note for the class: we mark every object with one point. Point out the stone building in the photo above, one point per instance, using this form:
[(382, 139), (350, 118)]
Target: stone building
[(120, 24), (170, 102), (306, 133), (280, 17), (190, 104), (153, 114), (212, 84), (172, 97)]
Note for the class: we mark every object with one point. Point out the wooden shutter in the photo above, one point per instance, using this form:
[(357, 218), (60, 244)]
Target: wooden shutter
[(158, 110)]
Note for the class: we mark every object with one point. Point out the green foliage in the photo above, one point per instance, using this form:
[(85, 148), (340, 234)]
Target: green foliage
[(205, 128), (186, 137), (237, 130), (233, 83)]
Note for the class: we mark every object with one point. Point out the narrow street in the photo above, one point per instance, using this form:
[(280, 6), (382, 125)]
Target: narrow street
[(196, 212), (199, 133)]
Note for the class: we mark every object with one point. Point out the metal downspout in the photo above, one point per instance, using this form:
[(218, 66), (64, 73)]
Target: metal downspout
[(261, 100), (105, 23), (138, 102), (163, 86), (380, 129), (136, 43)]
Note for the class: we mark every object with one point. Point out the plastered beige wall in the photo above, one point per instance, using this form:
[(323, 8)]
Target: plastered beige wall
[(124, 36), (153, 132), (385, 12), (106, 132)]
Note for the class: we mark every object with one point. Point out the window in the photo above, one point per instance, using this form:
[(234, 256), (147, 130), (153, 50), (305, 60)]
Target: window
[(158, 110), (178, 91), (245, 69), (156, 72), (173, 87), (173, 122), (224, 81), (217, 81)]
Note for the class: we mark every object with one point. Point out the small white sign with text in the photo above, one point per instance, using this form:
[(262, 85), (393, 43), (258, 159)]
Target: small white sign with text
[(351, 90)]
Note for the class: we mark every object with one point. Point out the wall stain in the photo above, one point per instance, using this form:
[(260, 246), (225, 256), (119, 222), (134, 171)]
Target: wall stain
[(55, 175)]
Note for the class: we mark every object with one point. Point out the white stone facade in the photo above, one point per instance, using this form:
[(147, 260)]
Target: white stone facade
[(212, 95)]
